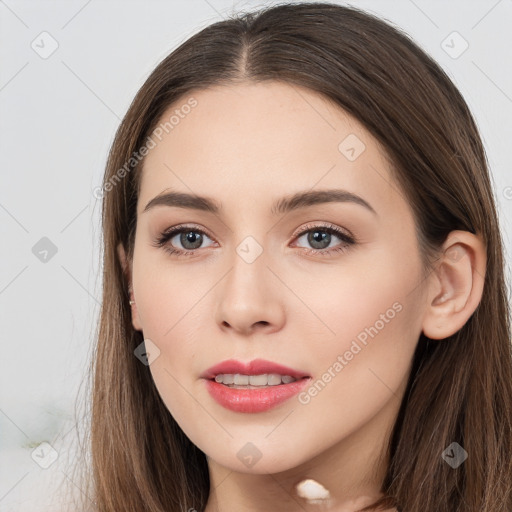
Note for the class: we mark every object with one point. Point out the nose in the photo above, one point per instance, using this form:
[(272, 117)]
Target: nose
[(250, 299)]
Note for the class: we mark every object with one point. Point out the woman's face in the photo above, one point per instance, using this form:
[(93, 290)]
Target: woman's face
[(251, 286)]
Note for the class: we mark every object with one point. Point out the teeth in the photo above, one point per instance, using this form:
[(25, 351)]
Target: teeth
[(241, 380), (274, 379), (228, 379), (259, 380), (270, 379)]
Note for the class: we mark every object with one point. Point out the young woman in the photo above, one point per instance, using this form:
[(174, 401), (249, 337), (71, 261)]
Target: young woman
[(304, 304)]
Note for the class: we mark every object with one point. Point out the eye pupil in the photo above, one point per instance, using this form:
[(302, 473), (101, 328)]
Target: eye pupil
[(191, 237), (319, 236)]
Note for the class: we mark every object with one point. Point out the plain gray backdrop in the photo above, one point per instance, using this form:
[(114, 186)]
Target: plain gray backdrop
[(69, 70)]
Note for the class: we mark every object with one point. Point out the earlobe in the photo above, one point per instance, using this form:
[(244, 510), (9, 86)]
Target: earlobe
[(456, 285), (126, 266)]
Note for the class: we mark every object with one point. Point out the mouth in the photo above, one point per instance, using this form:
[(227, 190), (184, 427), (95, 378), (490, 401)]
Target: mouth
[(253, 387)]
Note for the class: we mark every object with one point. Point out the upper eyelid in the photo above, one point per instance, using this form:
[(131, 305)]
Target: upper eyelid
[(328, 226)]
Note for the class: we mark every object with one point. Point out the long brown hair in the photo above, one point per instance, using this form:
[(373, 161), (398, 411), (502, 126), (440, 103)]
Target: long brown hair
[(459, 390)]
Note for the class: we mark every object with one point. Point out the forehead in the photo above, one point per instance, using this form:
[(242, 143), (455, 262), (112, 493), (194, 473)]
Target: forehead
[(252, 143)]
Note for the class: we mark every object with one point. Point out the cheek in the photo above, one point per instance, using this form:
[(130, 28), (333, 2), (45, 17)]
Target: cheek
[(172, 304), (170, 309), (370, 316), (167, 295)]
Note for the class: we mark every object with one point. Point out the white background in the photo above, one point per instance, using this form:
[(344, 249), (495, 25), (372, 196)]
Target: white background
[(58, 116)]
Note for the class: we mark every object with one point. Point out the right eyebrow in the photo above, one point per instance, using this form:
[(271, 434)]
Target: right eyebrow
[(184, 200)]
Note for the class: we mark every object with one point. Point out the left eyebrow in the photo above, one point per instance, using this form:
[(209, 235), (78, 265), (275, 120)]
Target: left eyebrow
[(313, 197), (282, 205)]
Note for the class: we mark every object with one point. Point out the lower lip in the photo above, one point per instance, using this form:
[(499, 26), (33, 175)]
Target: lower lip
[(251, 399)]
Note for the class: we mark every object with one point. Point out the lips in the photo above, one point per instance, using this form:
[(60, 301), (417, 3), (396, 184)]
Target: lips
[(249, 399), (255, 367)]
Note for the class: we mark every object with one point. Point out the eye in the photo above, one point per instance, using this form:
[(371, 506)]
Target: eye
[(190, 238), (320, 238)]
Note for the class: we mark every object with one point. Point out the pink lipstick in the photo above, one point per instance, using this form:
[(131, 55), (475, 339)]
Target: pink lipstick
[(252, 387)]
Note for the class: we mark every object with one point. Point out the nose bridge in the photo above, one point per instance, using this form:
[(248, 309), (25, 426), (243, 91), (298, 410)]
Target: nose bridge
[(249, 294), (249, 271)]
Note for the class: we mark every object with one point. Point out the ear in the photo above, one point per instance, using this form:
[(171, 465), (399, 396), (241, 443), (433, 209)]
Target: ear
[(456, 285), (127, 271)]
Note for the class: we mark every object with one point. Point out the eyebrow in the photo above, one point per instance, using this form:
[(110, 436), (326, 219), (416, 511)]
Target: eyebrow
[(283, 205)]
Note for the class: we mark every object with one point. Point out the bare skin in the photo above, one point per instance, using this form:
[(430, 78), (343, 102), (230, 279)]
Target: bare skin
[(245, 146)]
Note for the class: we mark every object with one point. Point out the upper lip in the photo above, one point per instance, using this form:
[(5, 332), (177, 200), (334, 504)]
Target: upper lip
[(254, 367)]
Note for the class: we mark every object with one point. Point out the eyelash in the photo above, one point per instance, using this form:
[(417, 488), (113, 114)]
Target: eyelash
[(168, 234)]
